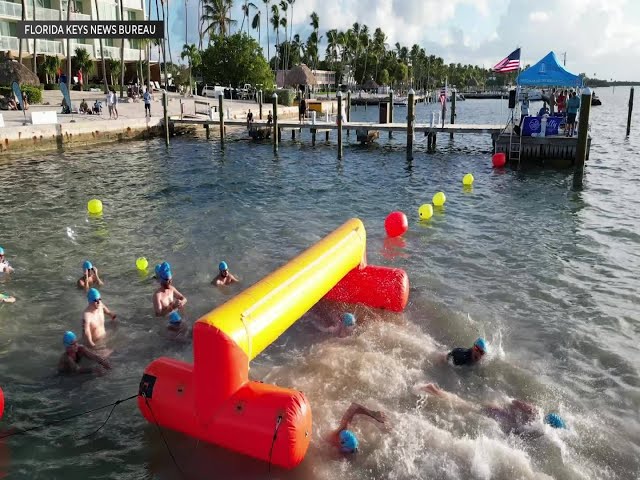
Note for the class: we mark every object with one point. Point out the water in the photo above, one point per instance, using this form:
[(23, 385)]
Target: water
[(546, 274)]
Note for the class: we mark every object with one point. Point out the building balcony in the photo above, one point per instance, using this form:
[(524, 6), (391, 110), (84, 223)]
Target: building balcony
[(10, 10), (8, 43), (130, 54), (133, 4), (52, 47), (42, 13)]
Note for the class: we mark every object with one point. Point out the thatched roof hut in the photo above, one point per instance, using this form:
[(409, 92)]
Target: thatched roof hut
[(301, 75), (12, 71), (370, 84)]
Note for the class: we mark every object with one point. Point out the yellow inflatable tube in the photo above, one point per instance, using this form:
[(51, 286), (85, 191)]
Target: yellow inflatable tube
[(260, 314)]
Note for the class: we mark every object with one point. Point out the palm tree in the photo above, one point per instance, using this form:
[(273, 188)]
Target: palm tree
[(35, 51), (50, 67), (122, 51), (68, 45), (379, 39), (284, 6), (315, 23), (255, 24), (332, 47), (115, 67), (104, 67), (216, 13), (192, 53), (364, 42), (291, 2), (275, 22), (246, 11), (83, 61), (24, 18), (266, 7)]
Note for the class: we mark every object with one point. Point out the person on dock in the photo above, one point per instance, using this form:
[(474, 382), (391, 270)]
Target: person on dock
[(75, 353), (524, 109), (302, 109), (344, 327), (93, 329), (89, 277), (146, 97), (4, 298), (249, 119), (552, 102), (468, 356), (167, 298), (573, 105), (224, 277), (5, 266), (513, 417), (269, 119), (344, 438), (562, 101)]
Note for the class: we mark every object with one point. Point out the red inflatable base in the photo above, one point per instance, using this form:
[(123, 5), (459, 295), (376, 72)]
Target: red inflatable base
[(245, 423), (377, 287)]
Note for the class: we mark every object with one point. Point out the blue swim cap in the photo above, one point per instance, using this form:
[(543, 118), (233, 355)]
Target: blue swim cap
[(348, 319), (68, 338), (174, 317), (348, 441), (93, 295), (555, 420), (1, 251), (163, 271), (481, 344), (223, 266), (87, 265)]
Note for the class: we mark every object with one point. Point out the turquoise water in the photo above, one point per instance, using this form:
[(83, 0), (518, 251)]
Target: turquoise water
[(546, 274)]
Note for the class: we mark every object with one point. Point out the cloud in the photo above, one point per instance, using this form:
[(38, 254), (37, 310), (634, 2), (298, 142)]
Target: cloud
[(538, 16)]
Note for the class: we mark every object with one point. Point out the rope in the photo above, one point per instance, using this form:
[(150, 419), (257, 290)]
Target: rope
[(70, 417), (273, 442)]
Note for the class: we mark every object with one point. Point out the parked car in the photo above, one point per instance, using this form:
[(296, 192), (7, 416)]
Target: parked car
[(212, 91), (246, 92)]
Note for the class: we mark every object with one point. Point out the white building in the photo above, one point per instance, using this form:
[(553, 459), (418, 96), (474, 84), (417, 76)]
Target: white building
[(11, 13), (325, 78)]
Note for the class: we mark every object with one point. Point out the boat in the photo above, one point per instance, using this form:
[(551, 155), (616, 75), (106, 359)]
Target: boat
[(533, 94), (595, 101), (400, 101), (459, 98)]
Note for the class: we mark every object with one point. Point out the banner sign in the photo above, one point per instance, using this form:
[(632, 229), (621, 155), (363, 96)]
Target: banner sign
[(90, 29), (65, 95), (18, 94)]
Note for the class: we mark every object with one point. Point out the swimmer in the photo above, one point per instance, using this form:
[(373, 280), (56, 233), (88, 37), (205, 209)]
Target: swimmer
[(224, 277), (344, 438), (6, 298), (93, 318), (74, 353), (167, 299), (468, 356), (5, 267), (344, 327), (512, 417), (89, 276)]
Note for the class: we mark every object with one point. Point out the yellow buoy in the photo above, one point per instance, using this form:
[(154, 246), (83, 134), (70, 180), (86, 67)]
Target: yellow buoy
[(439, 199), (425, 211), (468, 179), (142, 263), (94, 206)]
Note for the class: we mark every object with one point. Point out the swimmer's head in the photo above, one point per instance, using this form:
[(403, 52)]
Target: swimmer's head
[(93, 296), (348, 441), (1, 251), (87, 265), (174, 317), (348, 320), (479, 349), (69, 339), (163, 272), (224, 269), (555, 420)]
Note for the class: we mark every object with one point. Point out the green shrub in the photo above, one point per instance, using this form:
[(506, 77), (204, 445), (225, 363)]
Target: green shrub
[(34, 94), (285, 96)]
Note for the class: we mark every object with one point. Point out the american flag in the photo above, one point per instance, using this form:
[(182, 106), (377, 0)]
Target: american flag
[(508, 64)]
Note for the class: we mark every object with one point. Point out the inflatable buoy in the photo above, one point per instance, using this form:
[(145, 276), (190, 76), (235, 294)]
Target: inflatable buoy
[(499, 160), (425, 211), (142, 263), (396, 224), (439, 199), (1, 403), (94, 206), (467, 180)]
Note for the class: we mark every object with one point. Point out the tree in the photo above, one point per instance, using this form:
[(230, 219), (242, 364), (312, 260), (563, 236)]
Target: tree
[(115, 67), (216, 14), (192, 53), (104, 67), (275, 22), (82, 61), (266, 8), (35, 50), (383, 79), (235, 60), (315, 23), (246, 11), (400, 73), (255, 24), (50, 67)]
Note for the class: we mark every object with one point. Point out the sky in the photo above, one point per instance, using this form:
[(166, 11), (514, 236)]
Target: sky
[(600, 37)]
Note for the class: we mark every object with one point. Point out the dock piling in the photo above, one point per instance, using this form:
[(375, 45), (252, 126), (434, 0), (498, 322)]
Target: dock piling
[(339, 97), (260, 103), (276, 130), (207, 130), (348, 108), (390, 110), (630, 110), (453, 110), (166, 117), (313, 137), (221, 114), (583, 136), (410, 119)]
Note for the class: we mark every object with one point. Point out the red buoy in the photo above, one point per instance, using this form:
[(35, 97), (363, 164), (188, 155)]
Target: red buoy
[(499, 160), (1, 403), (396, 224)]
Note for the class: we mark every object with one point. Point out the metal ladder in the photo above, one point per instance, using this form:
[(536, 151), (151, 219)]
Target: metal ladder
[(515, 145)]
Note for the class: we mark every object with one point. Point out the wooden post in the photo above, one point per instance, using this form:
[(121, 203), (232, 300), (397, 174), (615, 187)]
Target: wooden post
[(326, 135), (453, 110), (339, 96), (313, 137), (583, 136), (390, 110), (410, 119), (221, 116), (166, 117), (207, 129), (260, 103), (630, 110), (276, 130), (444, 111), (348, 109)]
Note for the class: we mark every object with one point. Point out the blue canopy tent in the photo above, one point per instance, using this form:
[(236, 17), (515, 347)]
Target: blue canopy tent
[(548, 73)]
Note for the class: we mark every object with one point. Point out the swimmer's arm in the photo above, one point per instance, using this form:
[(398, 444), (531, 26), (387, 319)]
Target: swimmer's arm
[(83, 283), (232, 278), (108, 312), (357, 409), (93, 356), (179, 296), (87, 333), (157, 306), (436, 391), (100, 282), (524, 406), (68, 364), (330, 329)]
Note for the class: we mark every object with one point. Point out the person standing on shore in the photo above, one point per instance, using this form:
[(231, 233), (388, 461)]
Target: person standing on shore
[(112, 103), (146, 97)]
